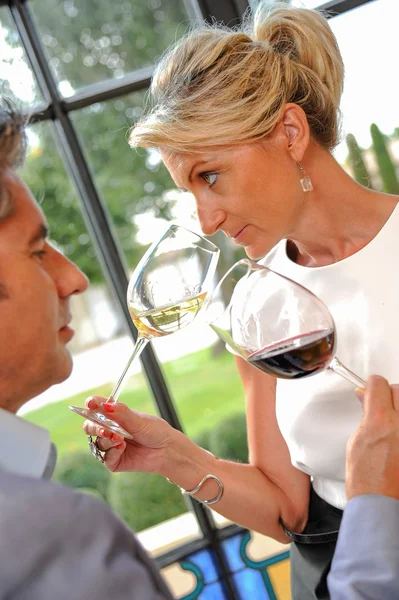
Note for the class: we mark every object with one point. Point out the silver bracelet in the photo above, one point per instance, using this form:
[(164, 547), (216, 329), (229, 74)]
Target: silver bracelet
[(201, 483)]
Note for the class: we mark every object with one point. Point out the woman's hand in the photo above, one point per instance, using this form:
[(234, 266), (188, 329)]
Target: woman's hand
[(145, 452)]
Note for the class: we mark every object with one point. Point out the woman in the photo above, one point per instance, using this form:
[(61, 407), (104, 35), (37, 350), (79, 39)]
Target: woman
[(246, 121)]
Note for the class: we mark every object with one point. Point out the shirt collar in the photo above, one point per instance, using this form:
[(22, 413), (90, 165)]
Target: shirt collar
[(24, 447)]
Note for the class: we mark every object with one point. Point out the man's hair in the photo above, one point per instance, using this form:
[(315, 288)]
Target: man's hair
[(12, 148)]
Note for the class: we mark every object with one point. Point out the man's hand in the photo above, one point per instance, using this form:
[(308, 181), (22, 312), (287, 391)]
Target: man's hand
[(372, 458)]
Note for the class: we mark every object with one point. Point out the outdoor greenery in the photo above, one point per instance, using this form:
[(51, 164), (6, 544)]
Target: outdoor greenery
[(144, 499), (386, 178), (87, 43), (229, 439), (128, 493), (80, 471), (210, 404), (206, 390), (386, 167), (355, 159)]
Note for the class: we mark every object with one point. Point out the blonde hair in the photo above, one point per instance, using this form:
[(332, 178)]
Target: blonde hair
[(220, 87)]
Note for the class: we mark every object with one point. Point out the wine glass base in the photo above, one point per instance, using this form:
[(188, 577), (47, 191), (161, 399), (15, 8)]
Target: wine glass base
[(102, 420)]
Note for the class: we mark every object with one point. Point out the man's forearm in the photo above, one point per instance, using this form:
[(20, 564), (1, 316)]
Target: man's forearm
[(366, 560)]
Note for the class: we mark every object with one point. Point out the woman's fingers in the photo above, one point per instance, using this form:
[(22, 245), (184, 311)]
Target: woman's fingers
[(129, 419), (112, 439), (94, 402), (113, 456)]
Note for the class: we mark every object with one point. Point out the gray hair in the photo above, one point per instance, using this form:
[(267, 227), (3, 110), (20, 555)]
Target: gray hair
[(12, 148)]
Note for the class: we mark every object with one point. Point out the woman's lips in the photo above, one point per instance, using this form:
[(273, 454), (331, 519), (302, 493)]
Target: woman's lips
[(238, 236)]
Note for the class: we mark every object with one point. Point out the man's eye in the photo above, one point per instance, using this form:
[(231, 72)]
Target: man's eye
[(210, 178), (40, 254)]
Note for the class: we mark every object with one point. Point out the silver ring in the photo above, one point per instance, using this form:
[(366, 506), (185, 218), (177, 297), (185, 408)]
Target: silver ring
[(95, 450)]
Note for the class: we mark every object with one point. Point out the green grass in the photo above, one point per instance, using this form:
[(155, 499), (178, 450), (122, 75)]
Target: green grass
[(205, 390)]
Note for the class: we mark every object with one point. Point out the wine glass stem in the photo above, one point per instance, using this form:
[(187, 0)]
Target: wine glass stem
[(350, 376), (139, 346)]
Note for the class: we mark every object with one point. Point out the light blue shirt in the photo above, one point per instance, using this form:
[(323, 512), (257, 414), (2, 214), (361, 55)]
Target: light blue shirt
[(24, 447), (366, 559)]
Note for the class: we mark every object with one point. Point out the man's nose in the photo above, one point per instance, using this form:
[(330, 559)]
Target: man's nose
[(71, 279)]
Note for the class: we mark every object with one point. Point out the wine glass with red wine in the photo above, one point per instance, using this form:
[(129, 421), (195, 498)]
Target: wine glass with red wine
[(274, 323)]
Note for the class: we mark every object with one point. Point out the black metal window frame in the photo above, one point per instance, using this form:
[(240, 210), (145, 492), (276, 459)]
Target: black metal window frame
[(56, 108)]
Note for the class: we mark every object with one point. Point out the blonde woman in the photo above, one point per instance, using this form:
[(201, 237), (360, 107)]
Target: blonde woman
[(246, 120)]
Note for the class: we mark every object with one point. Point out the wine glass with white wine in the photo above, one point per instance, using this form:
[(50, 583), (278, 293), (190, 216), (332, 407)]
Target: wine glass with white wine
[(165, 294)]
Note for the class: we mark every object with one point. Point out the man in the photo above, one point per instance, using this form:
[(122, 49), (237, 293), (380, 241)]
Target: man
[(54, 543), (366, 560)]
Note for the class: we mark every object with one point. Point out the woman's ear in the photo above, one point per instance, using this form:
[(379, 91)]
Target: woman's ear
[(296, 128)]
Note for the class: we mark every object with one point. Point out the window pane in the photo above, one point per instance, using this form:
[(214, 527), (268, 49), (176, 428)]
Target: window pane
[(308, 3), (17, 81), (258, 567), (133, 184), (371, 88), (141, 198), (100, 350), (95, 320), (300, 3), (92, 40)]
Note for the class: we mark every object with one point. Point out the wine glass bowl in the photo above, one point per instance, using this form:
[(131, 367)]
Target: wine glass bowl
[(165, 293), (274, 323), (169, 286)]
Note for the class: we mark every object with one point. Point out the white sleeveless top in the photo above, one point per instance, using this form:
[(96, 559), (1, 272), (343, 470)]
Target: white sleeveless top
[(317, 415)]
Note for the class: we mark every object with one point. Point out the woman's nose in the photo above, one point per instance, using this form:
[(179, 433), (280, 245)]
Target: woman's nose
[(210, 220)]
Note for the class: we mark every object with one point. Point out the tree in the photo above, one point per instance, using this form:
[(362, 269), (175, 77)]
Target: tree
[(88, 42), (91, 41), (356, 162), (387, 169)]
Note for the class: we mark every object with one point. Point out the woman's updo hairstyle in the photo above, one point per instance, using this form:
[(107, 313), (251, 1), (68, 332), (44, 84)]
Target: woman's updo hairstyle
[(221, 87)]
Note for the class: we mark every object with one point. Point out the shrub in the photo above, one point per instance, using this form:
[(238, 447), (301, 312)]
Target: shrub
[(91, 492), (203, 440), (229, 439), (144, 499), (81, 470)]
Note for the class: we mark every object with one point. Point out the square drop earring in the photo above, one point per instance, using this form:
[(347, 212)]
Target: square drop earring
[(306, 182)]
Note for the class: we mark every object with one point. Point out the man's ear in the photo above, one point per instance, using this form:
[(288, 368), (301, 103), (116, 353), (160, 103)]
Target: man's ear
[(296, 128)]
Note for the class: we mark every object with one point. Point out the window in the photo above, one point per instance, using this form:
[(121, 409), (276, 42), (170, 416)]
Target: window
[(83, 67)]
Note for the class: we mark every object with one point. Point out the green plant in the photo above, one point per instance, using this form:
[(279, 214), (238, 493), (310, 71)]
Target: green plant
[(91, 492), (356, 162), (80, 470), (143, 499), (386, 166), (203, 439), (229, 439)]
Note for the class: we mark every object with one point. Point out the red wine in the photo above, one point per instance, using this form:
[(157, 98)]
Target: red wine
[(296, 357)]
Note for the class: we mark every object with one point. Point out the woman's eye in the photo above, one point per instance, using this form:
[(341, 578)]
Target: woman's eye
[(210, 178)]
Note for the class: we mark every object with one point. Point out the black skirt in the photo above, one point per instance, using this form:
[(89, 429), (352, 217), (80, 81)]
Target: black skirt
[(313, 549)]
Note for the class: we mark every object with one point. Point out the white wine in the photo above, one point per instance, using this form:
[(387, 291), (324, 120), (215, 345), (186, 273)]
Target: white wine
[(167, 319)]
